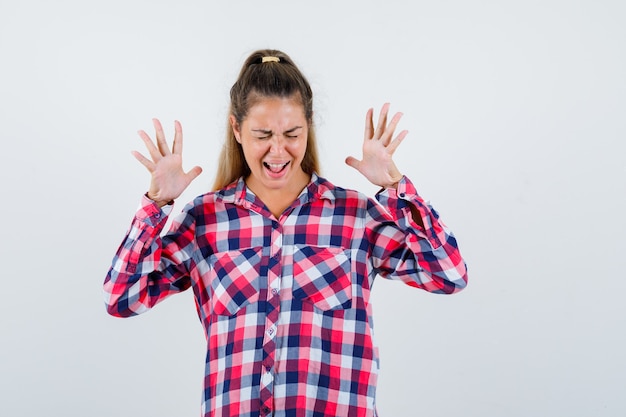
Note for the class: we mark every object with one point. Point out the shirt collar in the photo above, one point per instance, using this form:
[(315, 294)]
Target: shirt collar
[(238, 193), (318, 189)]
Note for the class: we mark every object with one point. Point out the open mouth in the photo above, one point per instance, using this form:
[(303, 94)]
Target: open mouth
[(276, 168)]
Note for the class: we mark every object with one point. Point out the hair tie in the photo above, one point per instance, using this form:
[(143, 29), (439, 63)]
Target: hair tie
[(270, 59)]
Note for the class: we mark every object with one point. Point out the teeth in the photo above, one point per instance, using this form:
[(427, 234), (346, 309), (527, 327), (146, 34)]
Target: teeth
[(276, 166)]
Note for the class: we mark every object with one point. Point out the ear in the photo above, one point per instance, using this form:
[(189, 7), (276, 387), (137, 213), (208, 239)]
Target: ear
[(235, 126)]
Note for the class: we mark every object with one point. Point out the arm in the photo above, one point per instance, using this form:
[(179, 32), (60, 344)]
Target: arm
[(408, 241), (421, 253), (146, 269)]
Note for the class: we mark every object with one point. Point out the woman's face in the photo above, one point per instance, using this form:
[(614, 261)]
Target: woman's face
[(274, 139)]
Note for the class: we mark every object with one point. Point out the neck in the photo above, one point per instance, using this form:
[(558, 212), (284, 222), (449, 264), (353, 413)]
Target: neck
[(278, 200)]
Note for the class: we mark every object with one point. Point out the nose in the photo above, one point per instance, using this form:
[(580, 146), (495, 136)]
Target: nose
[(277, 144)]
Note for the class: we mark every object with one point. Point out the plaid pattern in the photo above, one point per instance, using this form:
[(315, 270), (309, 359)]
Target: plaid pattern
[(285, 302)]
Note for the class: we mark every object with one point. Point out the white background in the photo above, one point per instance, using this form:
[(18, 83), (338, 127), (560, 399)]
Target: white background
[(516, 112)]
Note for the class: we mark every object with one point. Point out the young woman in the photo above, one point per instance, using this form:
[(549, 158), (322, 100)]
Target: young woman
[(281, 261)]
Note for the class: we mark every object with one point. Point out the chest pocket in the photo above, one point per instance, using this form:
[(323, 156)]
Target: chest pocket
[(235, 280), (322, 277)]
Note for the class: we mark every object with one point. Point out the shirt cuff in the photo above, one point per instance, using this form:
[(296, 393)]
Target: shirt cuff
[(150, 213), (397, 201)]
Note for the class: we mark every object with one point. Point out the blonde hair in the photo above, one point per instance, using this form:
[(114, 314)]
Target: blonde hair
[(266, 73)]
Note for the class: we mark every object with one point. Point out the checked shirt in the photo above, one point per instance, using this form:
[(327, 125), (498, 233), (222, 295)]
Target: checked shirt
[(285, 302)]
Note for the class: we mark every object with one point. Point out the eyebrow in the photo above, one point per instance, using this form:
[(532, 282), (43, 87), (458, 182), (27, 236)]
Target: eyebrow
[(269, 132), (293, 129)]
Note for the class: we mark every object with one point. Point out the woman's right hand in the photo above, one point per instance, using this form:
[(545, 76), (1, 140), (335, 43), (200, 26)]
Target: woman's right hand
[(166, 167)]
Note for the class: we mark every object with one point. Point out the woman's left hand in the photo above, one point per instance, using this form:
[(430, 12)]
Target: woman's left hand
[(378, 147)]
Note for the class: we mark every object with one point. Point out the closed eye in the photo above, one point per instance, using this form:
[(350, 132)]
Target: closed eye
[(262, 134), (293, 133)]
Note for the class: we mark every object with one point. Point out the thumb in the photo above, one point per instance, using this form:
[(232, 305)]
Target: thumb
[(353, 162), (193, 173)]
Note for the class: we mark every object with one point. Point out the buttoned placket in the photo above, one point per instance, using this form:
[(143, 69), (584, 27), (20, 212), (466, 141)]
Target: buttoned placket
[(271, 319), (272, 298)]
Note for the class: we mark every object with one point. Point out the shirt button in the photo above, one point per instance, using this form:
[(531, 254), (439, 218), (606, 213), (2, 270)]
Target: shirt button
[(274, 291), (265, 409), (402, 195), (157, 215)]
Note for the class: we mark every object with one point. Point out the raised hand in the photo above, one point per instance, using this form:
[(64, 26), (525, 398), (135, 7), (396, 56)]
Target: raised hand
[(378, 147), (166, 167)]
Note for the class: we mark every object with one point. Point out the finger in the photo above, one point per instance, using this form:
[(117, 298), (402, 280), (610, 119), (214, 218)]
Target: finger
[(193, 173), (369, 124), (353, 162), (160, 136), (382, 121), (397, 141), (177, 147), (388, 133), (143, 160), (154, 152)]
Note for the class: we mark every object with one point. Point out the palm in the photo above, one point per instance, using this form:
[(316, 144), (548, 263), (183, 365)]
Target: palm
[(378, 148), (168, 180)]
